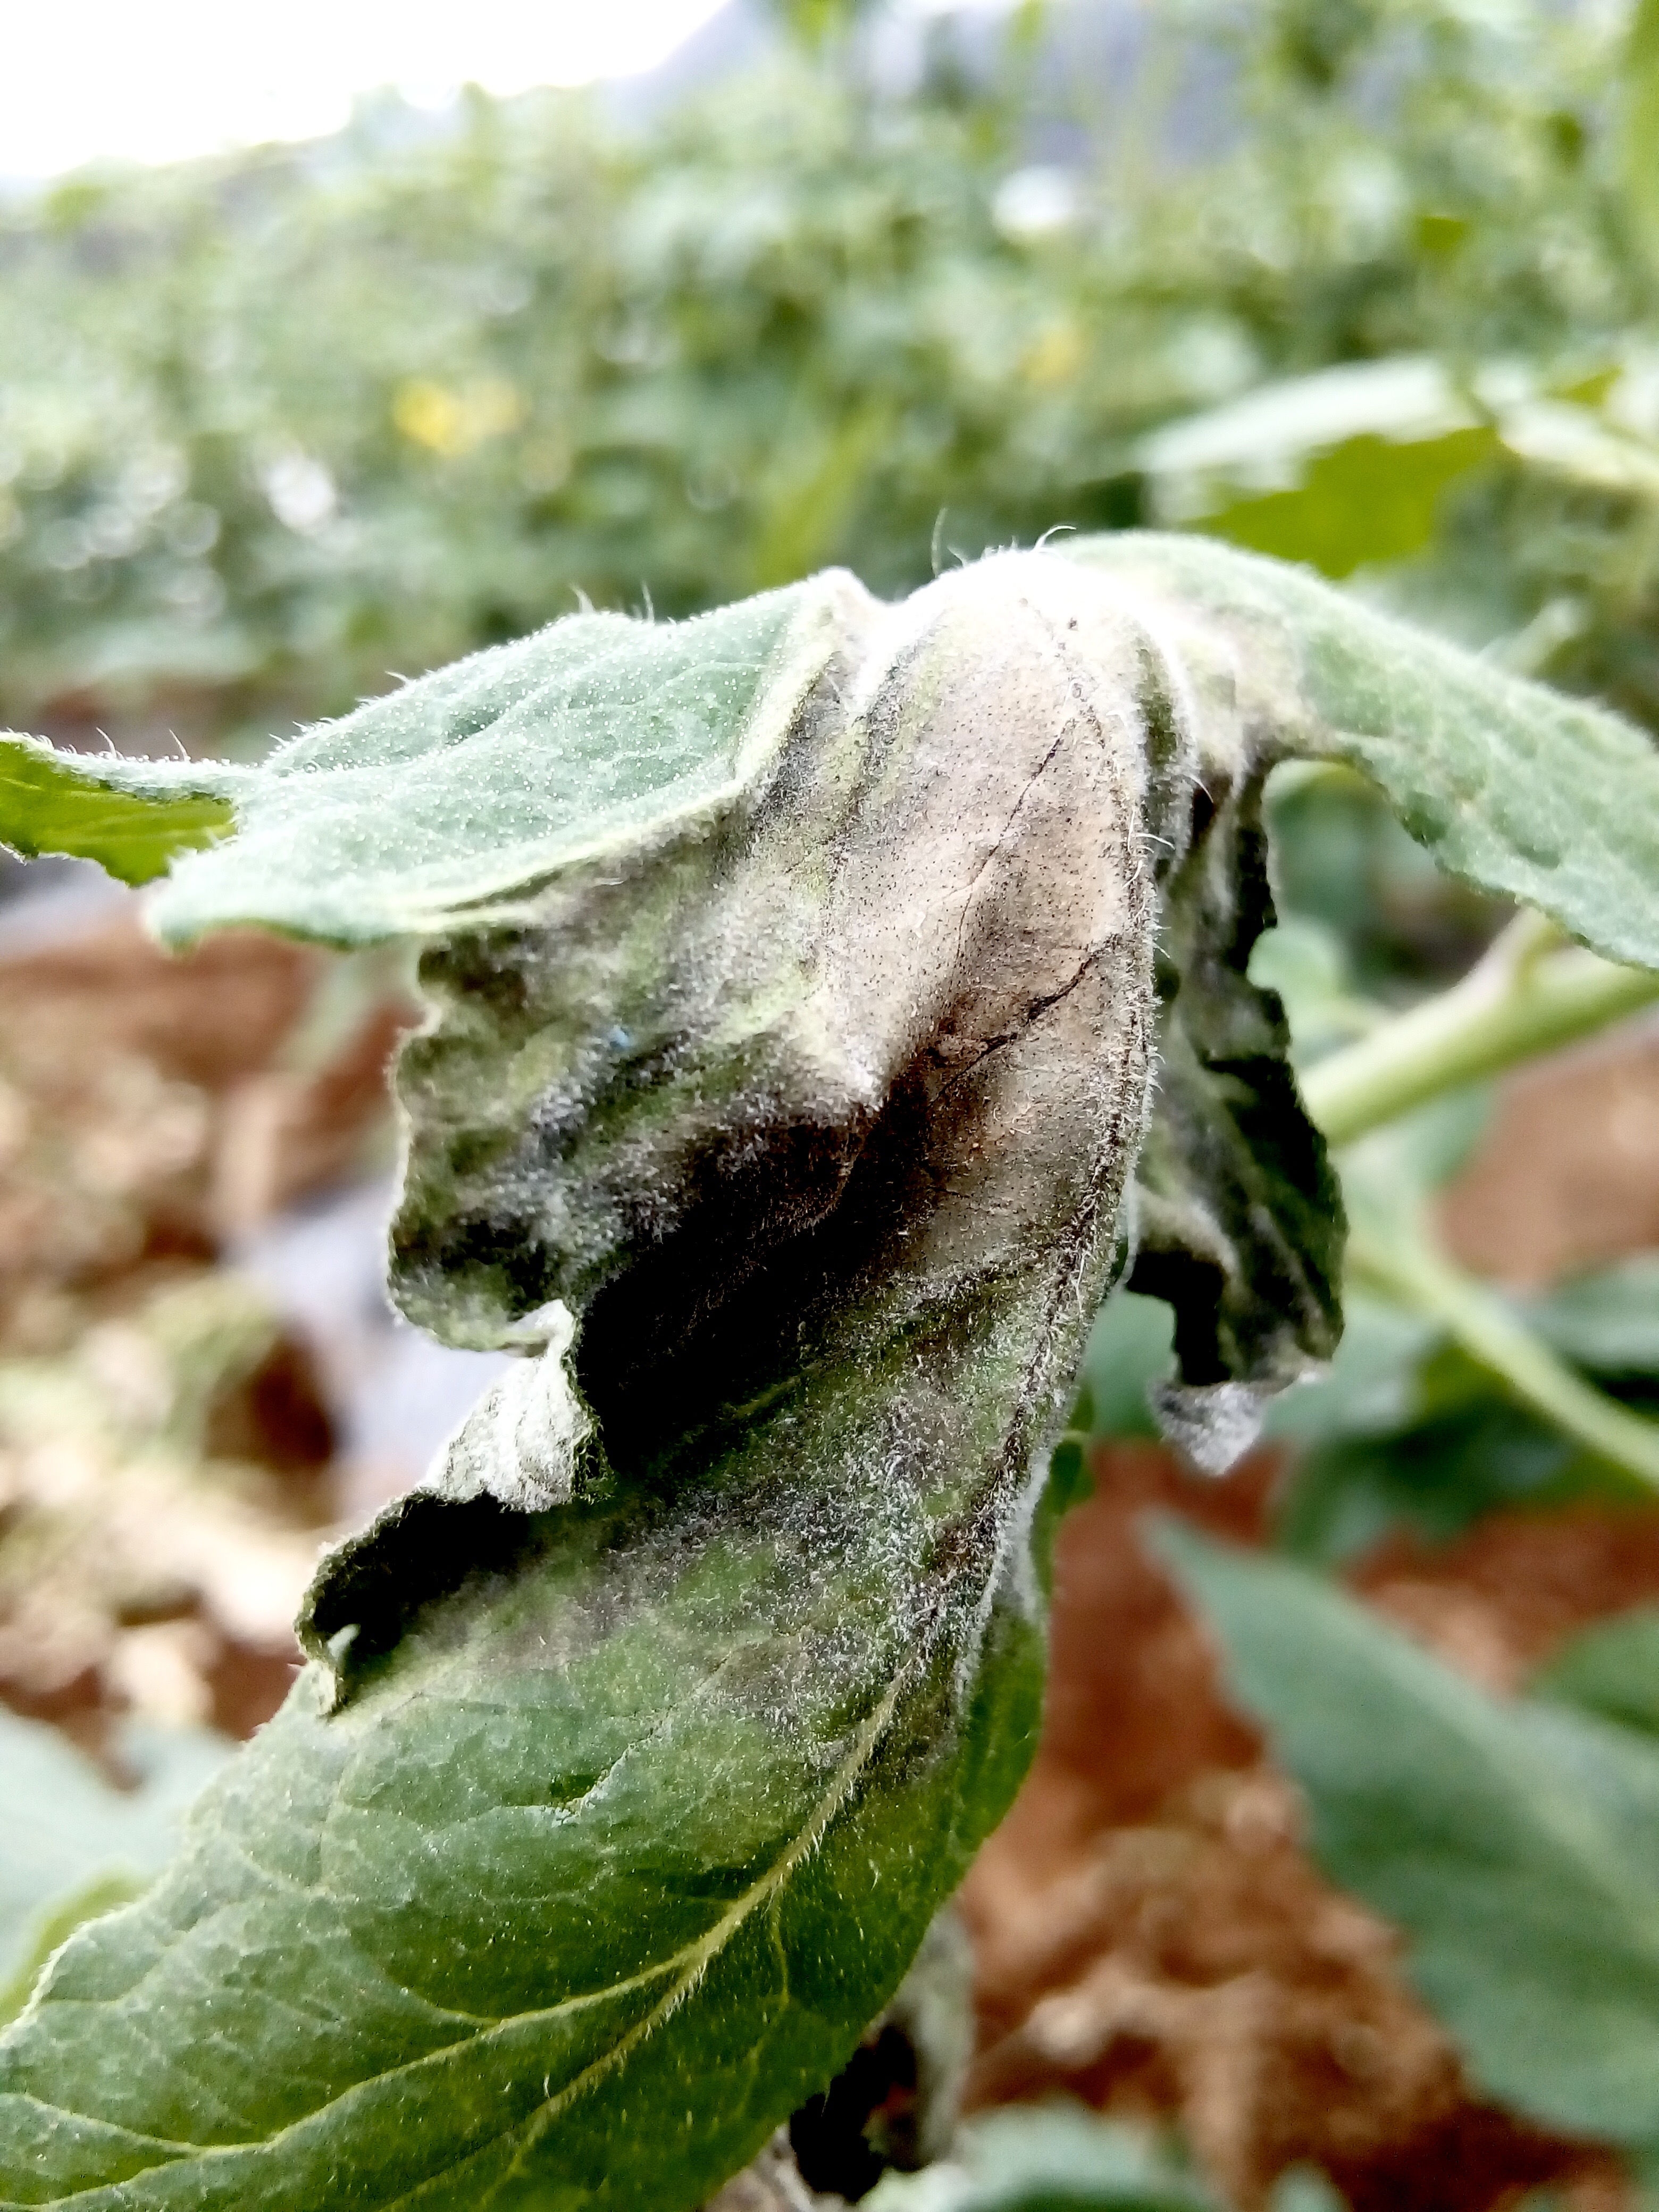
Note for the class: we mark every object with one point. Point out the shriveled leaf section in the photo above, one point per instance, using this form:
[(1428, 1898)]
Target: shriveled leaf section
[(1237, 1214), (133, 817), (603, 1831), (1510, 1841), (1517, 789), (792, 977), (943, 868), (469, 797)]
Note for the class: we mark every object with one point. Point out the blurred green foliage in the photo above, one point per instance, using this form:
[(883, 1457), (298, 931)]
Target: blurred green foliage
[(273, 426), (1506, 1839)]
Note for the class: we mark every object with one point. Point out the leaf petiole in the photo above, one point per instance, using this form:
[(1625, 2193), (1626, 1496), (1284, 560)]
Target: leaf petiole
[(1528, 994), (1410, 1271)]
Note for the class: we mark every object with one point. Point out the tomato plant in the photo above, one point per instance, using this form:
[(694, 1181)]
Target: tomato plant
[(827, 1001)]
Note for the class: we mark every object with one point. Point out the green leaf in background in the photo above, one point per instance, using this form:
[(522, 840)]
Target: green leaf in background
[(1611, 1669), (1368, 500), (1641, 124), (621, 347), (1341, 469), (133, 817), (1469, 1450), (1392, 1250), (1407, 1428), (1510, 1842), (1129, 1353), (1608, 1322), (69, 1833), (1046, 2158)]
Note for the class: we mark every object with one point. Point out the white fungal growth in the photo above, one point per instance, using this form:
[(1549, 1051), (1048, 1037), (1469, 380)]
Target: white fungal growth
[(932, 904), (522, 1441)]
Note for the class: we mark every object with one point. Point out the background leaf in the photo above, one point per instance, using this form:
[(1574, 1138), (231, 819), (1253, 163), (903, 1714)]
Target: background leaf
[(1641, 124), (68, 1827), (1611, 1669), (1507, 1841), (1041, 2159), (1408, 1428), (1130, 1350)]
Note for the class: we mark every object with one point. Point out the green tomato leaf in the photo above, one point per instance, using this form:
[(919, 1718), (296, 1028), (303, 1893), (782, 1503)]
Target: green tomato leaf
[(589, 785), (1408, 1428), (1512, 788), (1043, 2159), (1129, 1353), (1436, 1475), (442, 802), (1611, 1669), (596, 1833), (792, 975), (67, 1829), (1607, 1322), (1341, 468), (1510, 1842), (601, 1872), (133, 817)]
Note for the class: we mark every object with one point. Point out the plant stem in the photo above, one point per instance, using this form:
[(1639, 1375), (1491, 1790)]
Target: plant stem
[(1413, 1272), (1520, 999)]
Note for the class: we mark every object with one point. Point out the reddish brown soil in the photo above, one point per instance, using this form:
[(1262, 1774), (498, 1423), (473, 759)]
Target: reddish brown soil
[(149, 1110), (1569, 1173), (145, 1110)]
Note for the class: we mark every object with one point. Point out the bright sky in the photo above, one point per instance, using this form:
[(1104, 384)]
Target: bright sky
[(160, 79)]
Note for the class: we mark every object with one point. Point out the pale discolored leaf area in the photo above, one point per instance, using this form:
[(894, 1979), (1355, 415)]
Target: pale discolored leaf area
[(792, 976)]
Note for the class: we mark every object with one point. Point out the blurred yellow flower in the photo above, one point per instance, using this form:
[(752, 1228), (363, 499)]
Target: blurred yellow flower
[(1054, 357), (450, 421)]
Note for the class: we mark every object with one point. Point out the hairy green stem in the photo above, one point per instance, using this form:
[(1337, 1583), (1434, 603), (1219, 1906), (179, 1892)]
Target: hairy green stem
[(1520, 999), (1410, 1270)]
